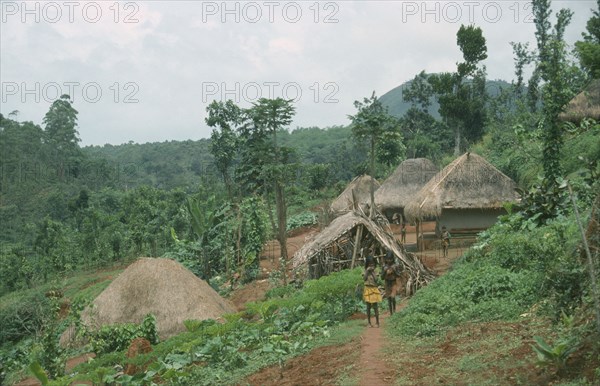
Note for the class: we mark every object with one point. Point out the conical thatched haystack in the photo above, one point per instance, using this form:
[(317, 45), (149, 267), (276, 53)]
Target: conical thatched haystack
[(162, 287), (469, 182), (585, 105), (362, 191), (403, 184)]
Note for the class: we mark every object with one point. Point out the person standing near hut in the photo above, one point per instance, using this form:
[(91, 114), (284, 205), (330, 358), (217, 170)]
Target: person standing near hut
[(390, 273), (403, 233), (371, 294), (445, 240)]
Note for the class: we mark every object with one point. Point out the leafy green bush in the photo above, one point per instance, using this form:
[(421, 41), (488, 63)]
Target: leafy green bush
[(469, 292), (14, 357), (336, 291), (513, 266), (301, 220), (118, 337), (280, 292), (23, 315)]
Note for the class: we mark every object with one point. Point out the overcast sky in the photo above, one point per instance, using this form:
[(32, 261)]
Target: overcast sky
[(144, 71)]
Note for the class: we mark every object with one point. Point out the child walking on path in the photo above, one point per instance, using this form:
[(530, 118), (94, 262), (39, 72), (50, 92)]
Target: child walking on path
[(371, 294), (390, 273)]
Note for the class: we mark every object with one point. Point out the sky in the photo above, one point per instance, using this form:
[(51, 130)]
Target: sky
[(145, 71)]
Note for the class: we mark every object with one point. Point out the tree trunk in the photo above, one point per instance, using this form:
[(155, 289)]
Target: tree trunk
[(271, 219), (238, 242), (282, 225), (457, 141), (227, 181)]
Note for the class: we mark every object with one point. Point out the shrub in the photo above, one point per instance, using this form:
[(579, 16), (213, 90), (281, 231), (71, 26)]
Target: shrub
[(118, 337), (23, 315), (513, 266), (301, 220)]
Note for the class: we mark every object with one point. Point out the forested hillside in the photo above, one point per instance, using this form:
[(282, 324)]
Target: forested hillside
[(214, 204), (398, 106)]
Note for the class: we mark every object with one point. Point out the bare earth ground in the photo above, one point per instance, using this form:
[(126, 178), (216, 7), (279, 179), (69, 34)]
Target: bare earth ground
[(362, 361)]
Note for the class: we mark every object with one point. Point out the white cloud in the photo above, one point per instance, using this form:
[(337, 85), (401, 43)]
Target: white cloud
[(175, 50)]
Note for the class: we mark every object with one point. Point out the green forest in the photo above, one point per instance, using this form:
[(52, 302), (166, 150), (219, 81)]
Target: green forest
[(68, 212)]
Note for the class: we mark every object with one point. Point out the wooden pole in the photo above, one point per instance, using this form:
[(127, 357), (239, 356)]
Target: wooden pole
[(418, 234), (356, 245)]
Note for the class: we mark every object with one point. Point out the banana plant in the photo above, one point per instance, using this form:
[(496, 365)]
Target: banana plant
[(556, 355), (201, 221)]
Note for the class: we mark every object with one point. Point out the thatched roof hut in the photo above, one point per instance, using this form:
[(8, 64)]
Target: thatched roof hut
[(362, 192), (469, 193), (159, 286), (332, 249), (403, 184), (586, 104)]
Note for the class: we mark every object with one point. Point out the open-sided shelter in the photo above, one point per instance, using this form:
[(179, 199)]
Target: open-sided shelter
[(466, 196), (403, 184), (333, 249)]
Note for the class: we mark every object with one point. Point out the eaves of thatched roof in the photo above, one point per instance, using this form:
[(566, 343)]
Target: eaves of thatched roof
[(469, 182), (338, 228), (362, 190), (404, 183), (586, 104)]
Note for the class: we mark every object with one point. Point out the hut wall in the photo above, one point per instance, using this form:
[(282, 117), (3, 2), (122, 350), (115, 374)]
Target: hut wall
[(468, 219)]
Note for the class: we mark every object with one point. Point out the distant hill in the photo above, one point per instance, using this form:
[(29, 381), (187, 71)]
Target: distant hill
[(398, 107), (172, 164)]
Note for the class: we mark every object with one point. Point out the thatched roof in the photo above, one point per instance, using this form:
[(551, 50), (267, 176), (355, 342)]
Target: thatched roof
[(586, 104), (404, 183), (469, 182), (334, 231), (159, 286), (362, 190), (344, 226)]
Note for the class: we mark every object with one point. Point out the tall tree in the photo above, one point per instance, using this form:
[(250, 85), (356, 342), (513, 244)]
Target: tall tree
[(224, 141), (373, 123), (559, 80), (462, 94), (556, 94), (61, 135), (270, 116), (419, 92), (541, 12), (252, 136), (522, 58)]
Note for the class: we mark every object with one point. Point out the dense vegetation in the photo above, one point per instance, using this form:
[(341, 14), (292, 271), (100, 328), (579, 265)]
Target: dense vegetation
[(212, 204)]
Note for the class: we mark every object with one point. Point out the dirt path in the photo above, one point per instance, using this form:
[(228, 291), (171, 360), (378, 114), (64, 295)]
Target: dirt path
[(363, 359), (372, 365), (374, 368)]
